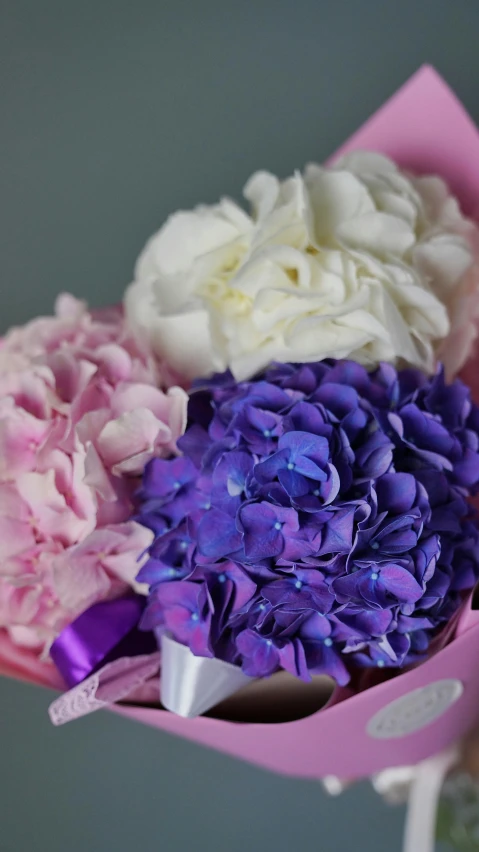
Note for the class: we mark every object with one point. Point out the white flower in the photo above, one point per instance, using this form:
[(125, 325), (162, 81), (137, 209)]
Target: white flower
[(356, 261), (163, 301)]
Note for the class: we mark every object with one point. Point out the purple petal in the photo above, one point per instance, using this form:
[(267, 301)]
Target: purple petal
[(293, 596), (316, 627), (244, 588), (304, 444), (293, 483), (338, 532), (400, 583), (305, 417), (309, 468), (325, 660), (467, 470), (217, 535), (260, 655), (347, 588), (268, 469), (375, 456), (229, 480), (263, 421), (155, 571), (194, 444), (262, 531), (397, 492), (293, 660), (338, 398)]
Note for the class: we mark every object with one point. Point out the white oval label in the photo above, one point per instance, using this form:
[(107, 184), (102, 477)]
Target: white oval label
[(415, 710)]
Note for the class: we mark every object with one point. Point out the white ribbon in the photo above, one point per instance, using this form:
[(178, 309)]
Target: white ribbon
[(424, 793), (420, 786), (189, 685)]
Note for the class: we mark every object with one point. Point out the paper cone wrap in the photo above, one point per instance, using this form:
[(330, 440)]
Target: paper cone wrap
[(413, 715), (193, 685)]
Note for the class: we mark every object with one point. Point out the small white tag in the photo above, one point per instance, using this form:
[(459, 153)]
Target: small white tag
[(415, 710)]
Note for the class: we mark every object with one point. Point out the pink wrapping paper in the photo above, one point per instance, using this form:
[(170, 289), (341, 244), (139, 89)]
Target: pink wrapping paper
[(24, 664), (335, 741), (424, 128)]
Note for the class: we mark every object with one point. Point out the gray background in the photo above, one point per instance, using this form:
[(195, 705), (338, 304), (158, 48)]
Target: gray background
[(113, 114)]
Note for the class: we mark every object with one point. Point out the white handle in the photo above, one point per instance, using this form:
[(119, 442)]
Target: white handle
[(420, 829)]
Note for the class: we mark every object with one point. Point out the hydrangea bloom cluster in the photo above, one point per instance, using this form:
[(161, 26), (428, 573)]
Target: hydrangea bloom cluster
[(80, 415), (317, 518), (357, 260)]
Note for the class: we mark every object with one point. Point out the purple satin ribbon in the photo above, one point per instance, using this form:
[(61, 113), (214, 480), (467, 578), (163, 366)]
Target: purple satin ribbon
[(103, 633)]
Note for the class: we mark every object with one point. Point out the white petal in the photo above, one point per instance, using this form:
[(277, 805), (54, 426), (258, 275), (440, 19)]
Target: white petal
[(443, 261), (184, 341), (361, 162), (379, 233), (336, 197), (262, 190), (186, 236)]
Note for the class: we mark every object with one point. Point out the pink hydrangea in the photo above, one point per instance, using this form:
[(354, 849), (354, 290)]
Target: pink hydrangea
[(81, 412)]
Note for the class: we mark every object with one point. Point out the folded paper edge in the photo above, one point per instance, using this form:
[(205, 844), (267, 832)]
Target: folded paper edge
[(433, 153), (114, 682)]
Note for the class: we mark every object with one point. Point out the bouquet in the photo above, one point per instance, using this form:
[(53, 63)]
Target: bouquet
[(246, 494)]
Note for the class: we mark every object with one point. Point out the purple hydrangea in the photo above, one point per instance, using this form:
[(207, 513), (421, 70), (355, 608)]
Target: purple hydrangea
[(318, 518)]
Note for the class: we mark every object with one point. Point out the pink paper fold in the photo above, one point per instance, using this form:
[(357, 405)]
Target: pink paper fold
[(114, 682), (335, 741), (425, 128)]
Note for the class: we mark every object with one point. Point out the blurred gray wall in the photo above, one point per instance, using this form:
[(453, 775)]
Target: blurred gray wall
[(113, 114)]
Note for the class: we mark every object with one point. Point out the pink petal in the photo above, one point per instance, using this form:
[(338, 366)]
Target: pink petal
[(128, 442), (31, 389), (16, 532), (67, 307), (95, 396), (71, 374), (15, 537), (115, 362), (20, 437), (178, 413), (89, 427), (96, 476), (128, 397), (51, 516), (79, 581), (123, 561)]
